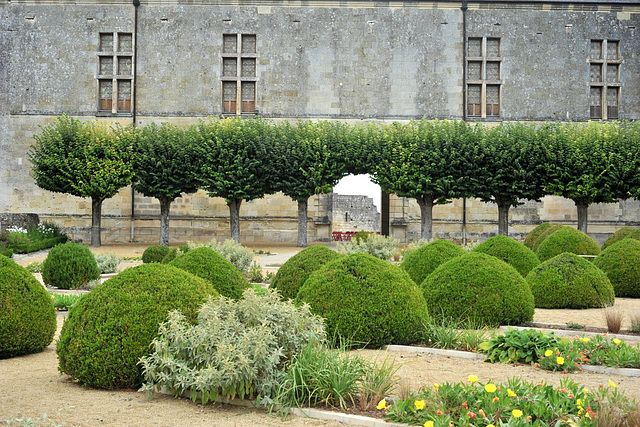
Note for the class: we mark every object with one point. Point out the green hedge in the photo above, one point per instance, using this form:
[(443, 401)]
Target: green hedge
[(566, 239), (421, 262), (155, 253), (569, 281), (27, 315), (5, 251), (209, 265), (621, 263), (297, 269), (111, 328), (543, 236), (534, 234), (510, 251), (26, 248), (480, 288), (69, 266), (366, 300), (620, 234)]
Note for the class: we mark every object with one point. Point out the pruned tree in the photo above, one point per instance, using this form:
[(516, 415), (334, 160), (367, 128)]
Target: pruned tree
[(234, 160), (581, 164), (511, 165), (311, 161), (163, 167), (84, 159), (428, 161)]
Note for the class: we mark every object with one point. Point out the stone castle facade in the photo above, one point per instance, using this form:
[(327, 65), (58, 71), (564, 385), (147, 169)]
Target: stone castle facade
[(182, 60)]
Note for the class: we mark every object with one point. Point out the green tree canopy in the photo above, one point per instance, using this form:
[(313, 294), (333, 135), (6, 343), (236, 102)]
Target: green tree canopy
[(84, 159)]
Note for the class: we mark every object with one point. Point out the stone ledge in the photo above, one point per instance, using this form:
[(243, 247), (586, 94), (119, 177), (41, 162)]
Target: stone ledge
[(438, 351), (573, 333)]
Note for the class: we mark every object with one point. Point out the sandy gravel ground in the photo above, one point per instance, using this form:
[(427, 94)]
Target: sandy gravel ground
[(31, 386)]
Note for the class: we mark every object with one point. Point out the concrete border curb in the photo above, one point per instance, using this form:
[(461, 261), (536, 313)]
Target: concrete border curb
[(439, 351), (624, 372), (565, 333), (349, 419)]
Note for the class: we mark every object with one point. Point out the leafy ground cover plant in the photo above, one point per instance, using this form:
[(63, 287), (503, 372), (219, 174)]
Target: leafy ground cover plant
[(63, 302), (236, 348), (515, 403), (382, 247)]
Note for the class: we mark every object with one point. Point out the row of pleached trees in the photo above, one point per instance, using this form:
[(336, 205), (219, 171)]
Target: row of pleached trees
[(432, 161)]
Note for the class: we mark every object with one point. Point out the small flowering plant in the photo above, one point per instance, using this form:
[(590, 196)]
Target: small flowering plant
[(515, 403)]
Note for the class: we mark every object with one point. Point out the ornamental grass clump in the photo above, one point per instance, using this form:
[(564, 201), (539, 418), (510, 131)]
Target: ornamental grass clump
[(479, 288), (566, 239), (621, 263), (108, 330), (27, 316), (366, 300), (421, 262), (569, 281), (510, 251), (69, 266), (209, 265), (299, 267), (235, 349)]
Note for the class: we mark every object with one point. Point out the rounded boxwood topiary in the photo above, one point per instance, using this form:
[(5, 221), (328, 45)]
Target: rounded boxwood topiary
[(27, 316), (366, 300), (155, 253), (544, 234), (510, 251), (69, 266), (421, 262), (299, 267), (109, 329), (480, 288), (170, 256), (535, 233), (209, 265), (569, 281), (567, 239), (620, 234), (621, 263)]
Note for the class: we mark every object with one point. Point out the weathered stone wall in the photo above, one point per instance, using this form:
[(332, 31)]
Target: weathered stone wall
[(355, 213), (377, 61)]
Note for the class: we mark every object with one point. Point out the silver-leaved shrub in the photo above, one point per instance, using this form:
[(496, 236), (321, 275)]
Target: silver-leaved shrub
[(236, 349), (240, 256)]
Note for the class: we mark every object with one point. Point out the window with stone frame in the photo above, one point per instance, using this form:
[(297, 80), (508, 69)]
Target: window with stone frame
[(239, 77), (484, 77), (604, 79), (115, 73)]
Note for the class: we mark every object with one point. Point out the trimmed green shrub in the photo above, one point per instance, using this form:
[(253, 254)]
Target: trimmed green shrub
[(567, 239), (569, 281), (535, 234), (620, 234), (421, 262), (293, 273), (543, 236), (69, 266), (170, 256), (110, 329), (621, 263), (366, 300), (8, 252), (209, 265), (107, 263), (479, 288), (510, 251), (27, 316), (246, 357), (154, 253), (27, 248)]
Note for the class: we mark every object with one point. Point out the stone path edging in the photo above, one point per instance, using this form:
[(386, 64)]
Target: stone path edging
[(565, 333)]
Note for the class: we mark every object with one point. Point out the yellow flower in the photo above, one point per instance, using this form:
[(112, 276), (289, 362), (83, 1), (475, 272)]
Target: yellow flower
[(616, 341), (612, 384), (584, 339), (511, 393), (585, 390), (382, 404), (436, 386), (560, 360), (428, 424), (490, 425), (473, 379), (517, 413), (490, 388), (587, 415), (548, 353), (419, 404), (579, 402)]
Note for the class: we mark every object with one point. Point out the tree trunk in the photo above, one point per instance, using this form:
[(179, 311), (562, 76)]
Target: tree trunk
[(96, 217), (582, 216), (234, 218), (503, 219), (426, 213), (165, 206), (302, 223)]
